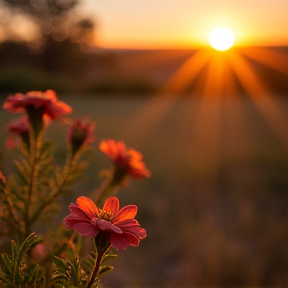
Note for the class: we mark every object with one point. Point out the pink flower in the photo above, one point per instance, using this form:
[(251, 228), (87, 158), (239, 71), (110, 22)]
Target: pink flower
[(89, 220), (127, 161), (80, 134), (45, 102)]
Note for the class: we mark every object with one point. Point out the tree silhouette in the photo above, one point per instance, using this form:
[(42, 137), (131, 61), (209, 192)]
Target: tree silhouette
[(61, 33), (53, 19)]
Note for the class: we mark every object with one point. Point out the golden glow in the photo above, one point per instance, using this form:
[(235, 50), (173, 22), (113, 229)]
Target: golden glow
[(217, 82), (221, 38)]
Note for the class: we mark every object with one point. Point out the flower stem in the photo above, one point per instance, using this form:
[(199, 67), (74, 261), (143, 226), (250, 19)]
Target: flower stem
[(95, 270), (33, 176), (102, 245), (107, 187)]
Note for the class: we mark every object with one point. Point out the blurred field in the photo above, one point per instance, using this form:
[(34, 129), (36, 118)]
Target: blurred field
[(215, 207)]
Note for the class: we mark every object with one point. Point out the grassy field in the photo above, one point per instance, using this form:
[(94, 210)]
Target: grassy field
[(215, 207)]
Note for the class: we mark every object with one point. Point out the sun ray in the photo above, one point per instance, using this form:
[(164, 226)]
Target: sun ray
[(206, 137), (236, 141), (214, 84), (269, 57), (141, 61), (186, 74), (155, 109), (230, 86), (257, 91)]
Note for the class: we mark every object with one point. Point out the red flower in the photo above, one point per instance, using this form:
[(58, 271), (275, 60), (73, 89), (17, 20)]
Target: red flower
[(45, 101), (80, 134), (127, 161), (89, 220)]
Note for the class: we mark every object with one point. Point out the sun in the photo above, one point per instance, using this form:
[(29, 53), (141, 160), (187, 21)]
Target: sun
[(221, 38)]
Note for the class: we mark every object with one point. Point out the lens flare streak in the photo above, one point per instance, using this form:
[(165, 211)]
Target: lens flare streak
[(257, 91)]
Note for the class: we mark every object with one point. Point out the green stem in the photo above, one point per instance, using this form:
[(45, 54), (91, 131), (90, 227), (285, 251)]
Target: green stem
[(103, 190), (107, 187), (33, 176), (95, 270), (102, 245)]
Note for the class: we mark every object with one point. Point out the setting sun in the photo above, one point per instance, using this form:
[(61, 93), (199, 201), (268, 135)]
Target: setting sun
[(221, 38)]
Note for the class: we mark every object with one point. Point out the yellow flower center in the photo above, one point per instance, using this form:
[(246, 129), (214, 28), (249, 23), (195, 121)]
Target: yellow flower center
[(105, 215)]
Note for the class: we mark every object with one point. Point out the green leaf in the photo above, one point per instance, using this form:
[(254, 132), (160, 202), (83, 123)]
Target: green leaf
[(9, 285), (61, 264), (109, 256), (87, 265), (22, 169), (59, 279), (46, 149), (18, 271), (105, 269), (5, 278), (29, 242), (33, 276), (13, 257), (5, 263)]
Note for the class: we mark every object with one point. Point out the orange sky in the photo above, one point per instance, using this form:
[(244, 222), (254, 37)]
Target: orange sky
[(187, 23)]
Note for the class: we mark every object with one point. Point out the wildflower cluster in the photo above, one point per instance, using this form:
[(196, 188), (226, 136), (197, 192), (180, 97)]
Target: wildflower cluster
[(33, 195)]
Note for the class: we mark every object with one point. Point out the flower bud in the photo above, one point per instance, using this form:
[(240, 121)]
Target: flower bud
[(39, 253), (80, 134)]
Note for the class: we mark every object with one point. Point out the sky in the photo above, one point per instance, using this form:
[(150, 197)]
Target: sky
[(186, 23)]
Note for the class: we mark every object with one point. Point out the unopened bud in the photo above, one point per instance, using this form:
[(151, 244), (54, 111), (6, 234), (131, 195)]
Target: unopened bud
[(80, 134)]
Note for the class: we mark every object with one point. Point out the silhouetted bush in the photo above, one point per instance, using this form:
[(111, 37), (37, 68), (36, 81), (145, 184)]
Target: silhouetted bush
[(19, 79), (123, 86)]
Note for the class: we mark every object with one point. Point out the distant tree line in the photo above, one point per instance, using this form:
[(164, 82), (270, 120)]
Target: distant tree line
[(61, 54)]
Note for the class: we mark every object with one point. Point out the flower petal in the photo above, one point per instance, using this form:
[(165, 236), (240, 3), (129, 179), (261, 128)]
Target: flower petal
[(111, 205), (87, 229), (88, 206), (71, 220), (119, 241), (77, 211), (47, 101), (105, 225), (122, 153), (134, 240), (137, 231), (138, 174), (51, 95), (109, 147), (127, 212), (127, 223), (132, 226)]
